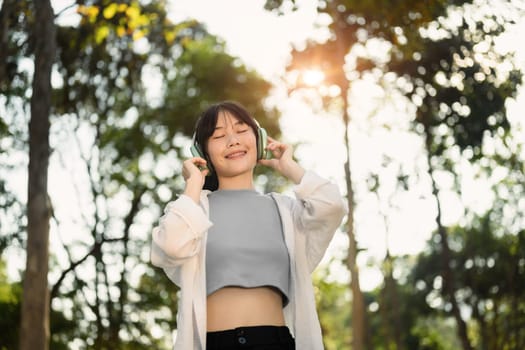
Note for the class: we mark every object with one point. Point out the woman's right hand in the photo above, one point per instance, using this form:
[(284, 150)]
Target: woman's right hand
[(194, 176)]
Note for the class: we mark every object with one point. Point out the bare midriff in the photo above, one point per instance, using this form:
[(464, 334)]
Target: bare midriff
[(232, 307)]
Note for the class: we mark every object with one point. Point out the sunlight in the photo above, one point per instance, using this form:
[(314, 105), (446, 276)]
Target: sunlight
[(312, 77)]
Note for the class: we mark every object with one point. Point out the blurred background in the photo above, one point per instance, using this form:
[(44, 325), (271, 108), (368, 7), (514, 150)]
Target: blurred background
[(415, 108)]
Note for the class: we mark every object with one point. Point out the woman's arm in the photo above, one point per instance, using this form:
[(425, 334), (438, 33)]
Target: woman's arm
[(317, 212), (179, 233), (180, 230)]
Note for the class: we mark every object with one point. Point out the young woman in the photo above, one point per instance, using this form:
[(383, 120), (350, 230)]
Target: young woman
[(243, 259)]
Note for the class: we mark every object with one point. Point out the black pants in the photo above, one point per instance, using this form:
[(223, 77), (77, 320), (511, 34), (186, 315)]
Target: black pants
[(251, 338)]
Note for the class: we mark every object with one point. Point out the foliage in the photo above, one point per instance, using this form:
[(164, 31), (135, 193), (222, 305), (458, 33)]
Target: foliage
[(489, 279), (457, 80), (333, 305), (442, 56), (459, 93), (14, 83), (15, 17), (10, 296)]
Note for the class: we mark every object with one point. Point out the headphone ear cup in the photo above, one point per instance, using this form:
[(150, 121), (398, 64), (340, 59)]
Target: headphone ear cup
[(262, 142), (196, 151)]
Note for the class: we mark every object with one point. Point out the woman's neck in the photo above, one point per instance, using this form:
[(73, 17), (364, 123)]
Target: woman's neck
[(241, 182)]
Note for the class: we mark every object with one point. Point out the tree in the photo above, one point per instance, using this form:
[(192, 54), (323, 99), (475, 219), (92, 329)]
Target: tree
[(469, 109), (34, 327), (14, 85), (491, 289), (352, 23)]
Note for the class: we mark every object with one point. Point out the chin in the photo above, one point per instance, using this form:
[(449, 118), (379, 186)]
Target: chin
[(237, 170)]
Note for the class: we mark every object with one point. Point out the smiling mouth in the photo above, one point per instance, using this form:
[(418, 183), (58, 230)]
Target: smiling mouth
[(236, 154)]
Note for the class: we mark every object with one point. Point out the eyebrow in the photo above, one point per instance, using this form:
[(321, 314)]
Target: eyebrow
[(238, 122)]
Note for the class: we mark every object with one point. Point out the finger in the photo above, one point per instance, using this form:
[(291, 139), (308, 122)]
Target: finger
[(265, 162), (274, 145), (201, 165), (198, 161), (278, 147), (193, 160)]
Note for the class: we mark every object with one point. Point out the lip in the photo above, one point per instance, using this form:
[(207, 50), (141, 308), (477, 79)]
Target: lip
[(235, 155)]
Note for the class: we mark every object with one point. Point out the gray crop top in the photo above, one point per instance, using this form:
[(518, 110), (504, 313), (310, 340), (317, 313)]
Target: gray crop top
[(245, 246)]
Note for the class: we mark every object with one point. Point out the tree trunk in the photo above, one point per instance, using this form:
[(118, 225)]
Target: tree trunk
[(393, 317), (483, 329), (34, 327), (389, 305), (448, 290), (358, 304), (98, 307)]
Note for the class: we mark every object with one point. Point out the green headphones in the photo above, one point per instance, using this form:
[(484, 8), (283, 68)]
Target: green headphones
[(262, 142)]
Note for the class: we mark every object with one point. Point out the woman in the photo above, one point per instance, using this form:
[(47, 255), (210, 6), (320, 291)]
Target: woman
[(243, 259)]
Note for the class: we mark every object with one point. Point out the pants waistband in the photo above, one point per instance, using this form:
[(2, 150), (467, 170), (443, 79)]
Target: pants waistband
[(248, 336)]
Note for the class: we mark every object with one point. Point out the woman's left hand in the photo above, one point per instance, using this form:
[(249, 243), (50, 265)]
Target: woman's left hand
[(282, 160)]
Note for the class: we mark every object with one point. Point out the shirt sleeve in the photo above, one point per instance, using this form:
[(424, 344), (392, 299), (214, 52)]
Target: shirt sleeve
[(179, 233), (318, 212)]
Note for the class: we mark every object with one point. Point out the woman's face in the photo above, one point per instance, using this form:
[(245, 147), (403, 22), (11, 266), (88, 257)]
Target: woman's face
[(232, 147)]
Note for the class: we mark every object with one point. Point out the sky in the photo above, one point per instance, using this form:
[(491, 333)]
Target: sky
[(262, 40)]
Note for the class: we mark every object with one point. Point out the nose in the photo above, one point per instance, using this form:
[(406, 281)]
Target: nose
[(232, 140)]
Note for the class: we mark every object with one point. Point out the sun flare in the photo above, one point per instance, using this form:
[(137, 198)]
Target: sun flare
[(313, 77)]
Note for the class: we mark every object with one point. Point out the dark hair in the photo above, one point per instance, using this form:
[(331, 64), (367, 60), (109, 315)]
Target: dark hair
[(205, 128)]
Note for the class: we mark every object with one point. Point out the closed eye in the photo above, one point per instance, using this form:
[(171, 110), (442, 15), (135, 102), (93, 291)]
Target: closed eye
[(217, 136)]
